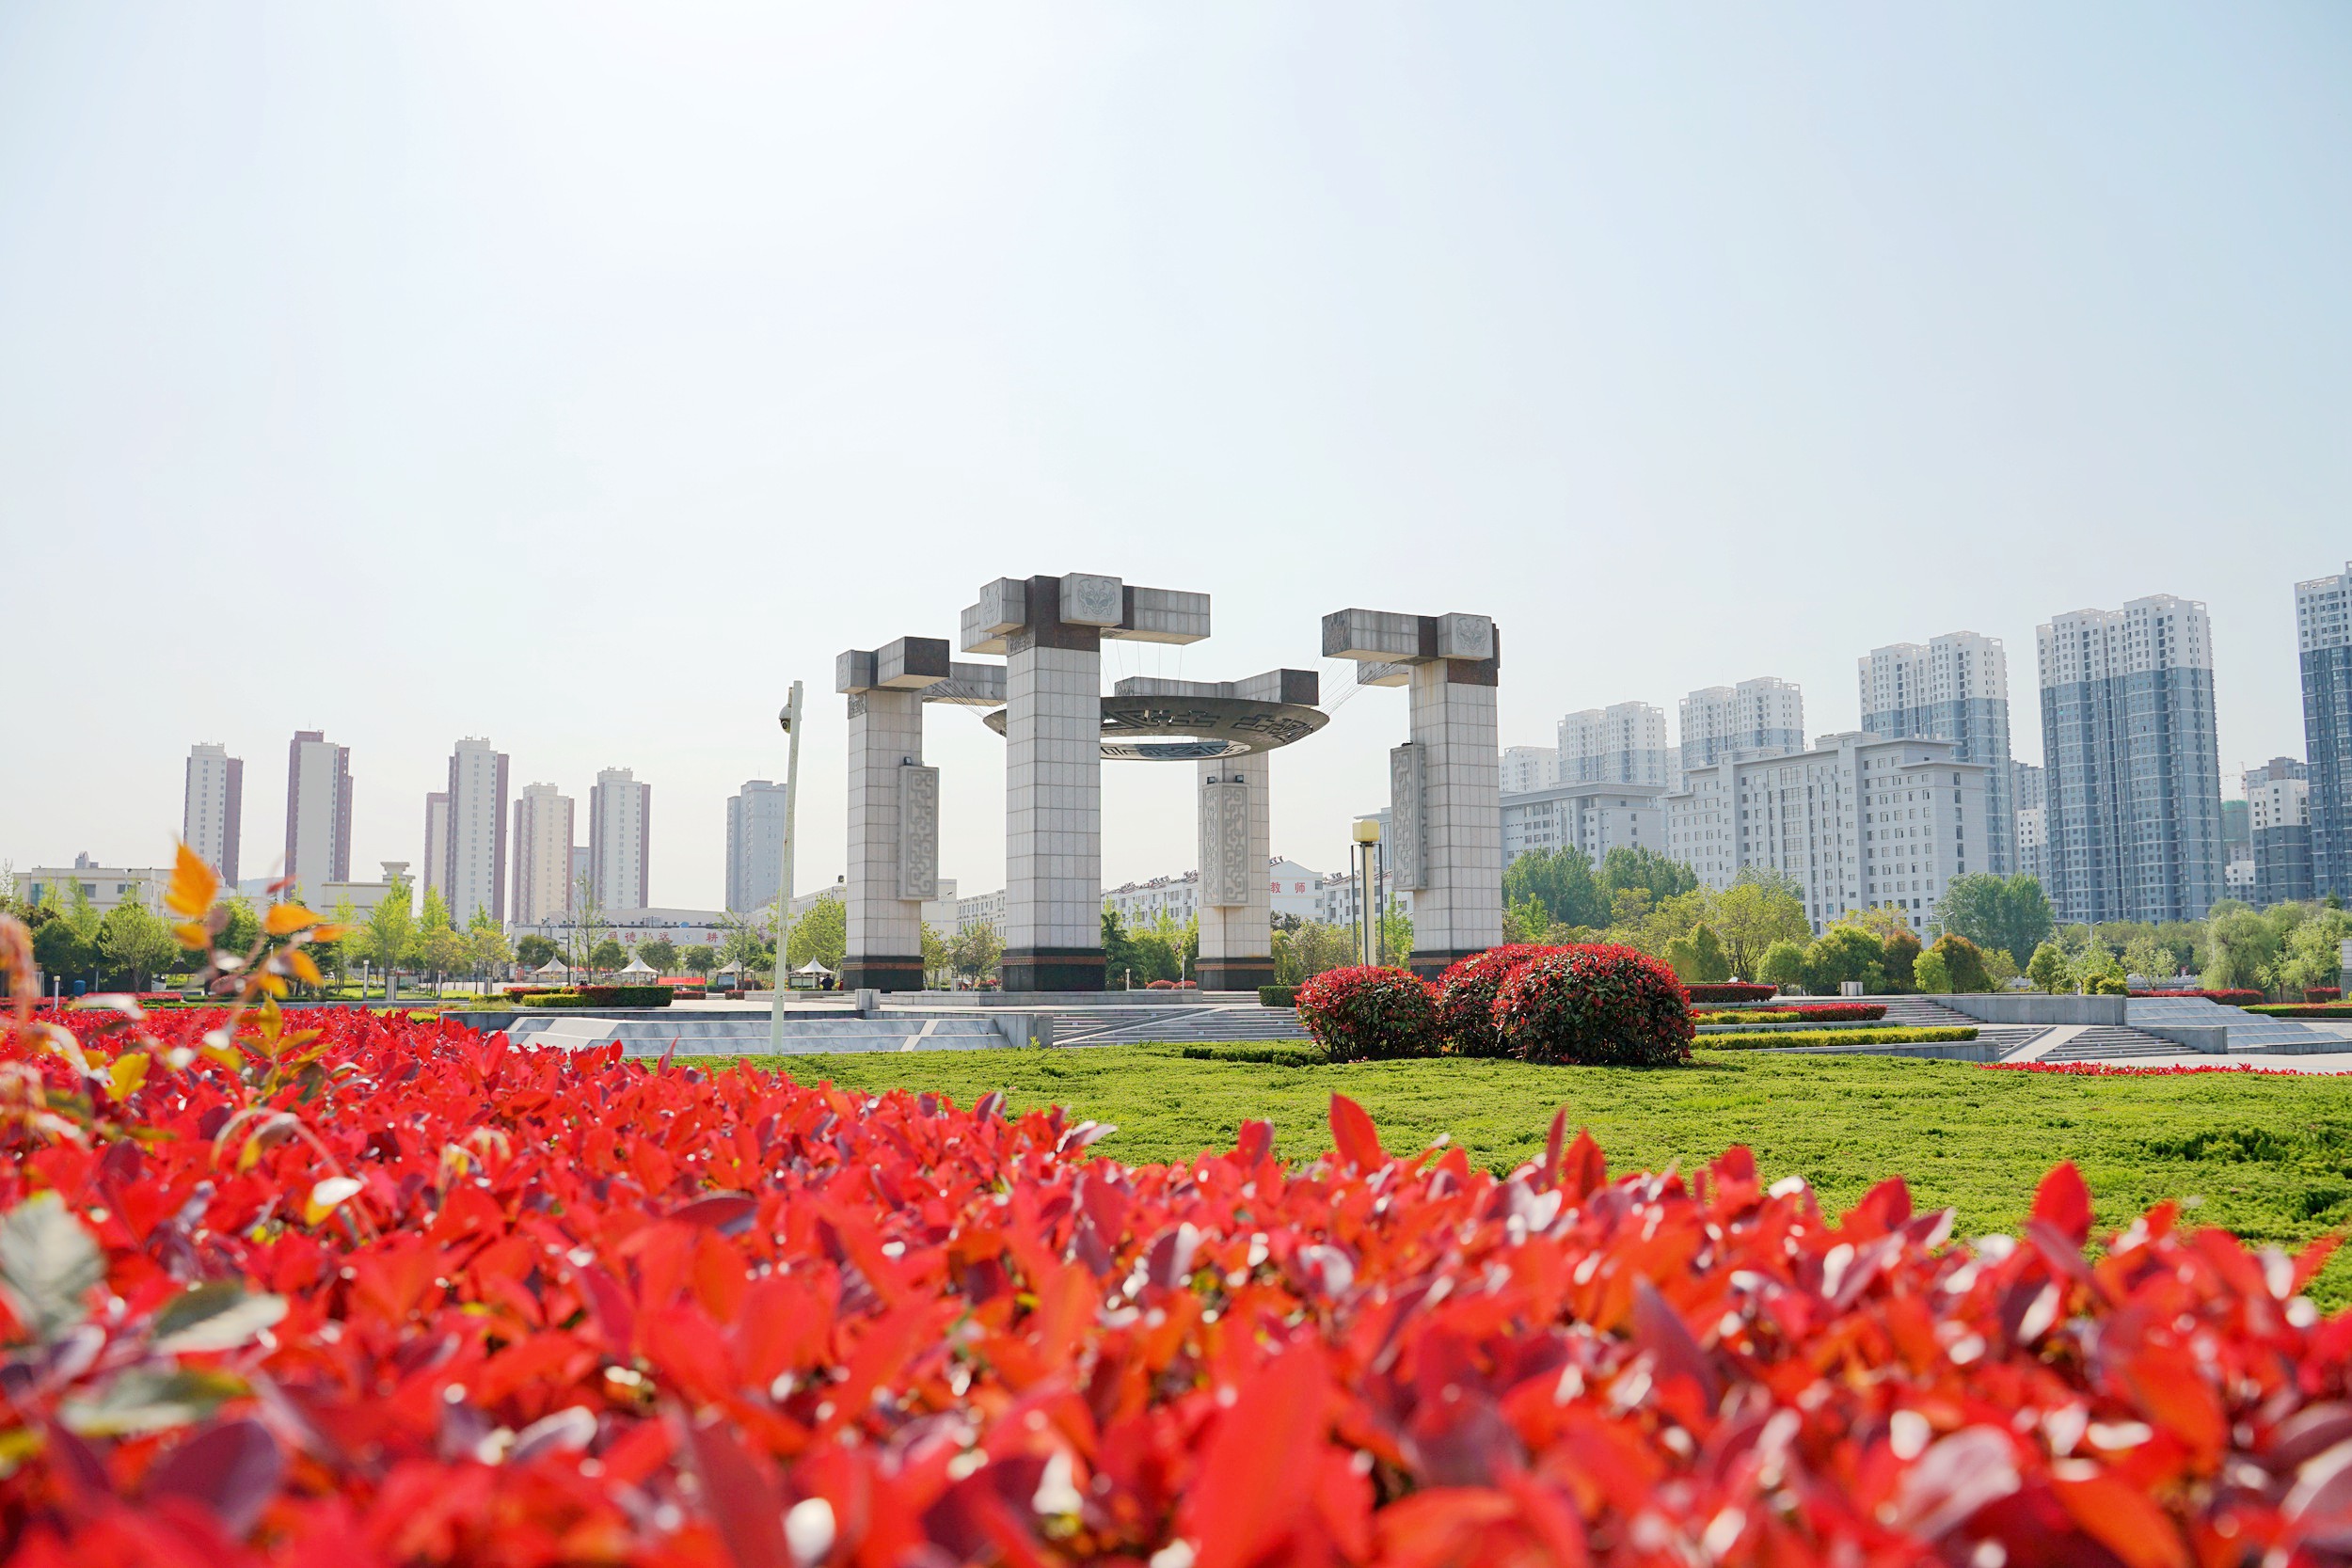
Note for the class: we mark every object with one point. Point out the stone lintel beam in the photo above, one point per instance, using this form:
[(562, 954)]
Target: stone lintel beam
[(1384, 644), (908, 664), (1076, 605), (1303, 686), (969, 685)]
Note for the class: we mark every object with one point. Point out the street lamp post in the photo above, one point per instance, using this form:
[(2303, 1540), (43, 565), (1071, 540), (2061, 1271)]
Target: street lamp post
[(1367, 889), (790, 719)]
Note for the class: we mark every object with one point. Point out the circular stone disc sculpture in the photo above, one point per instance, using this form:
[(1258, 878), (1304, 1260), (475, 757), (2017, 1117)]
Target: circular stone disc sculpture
[(1189, 729)]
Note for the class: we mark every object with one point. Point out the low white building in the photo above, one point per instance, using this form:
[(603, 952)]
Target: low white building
[(1857, 822), (1526, 768), (1594, 817), (1141, 903), (981, 909), (105, 886)]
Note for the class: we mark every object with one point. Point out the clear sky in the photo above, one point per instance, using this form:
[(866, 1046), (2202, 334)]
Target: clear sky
[(577, 374)]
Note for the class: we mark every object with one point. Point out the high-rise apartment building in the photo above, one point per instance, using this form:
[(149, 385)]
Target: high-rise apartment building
[(1594, 817), (543, 855), (2134, 771), (1526, 768), (1760, 717), (436, 842), (755, 844), (1623, 743), (2323, 629), (619, 812), (473, 859), (2030, 804), (1858, 822), (2278, 823), (1956, 689), (318, 811), (212, 807)]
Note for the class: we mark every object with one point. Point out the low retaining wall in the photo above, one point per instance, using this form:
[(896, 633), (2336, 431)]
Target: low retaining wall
[(2033, 1007), (1947, 1051)]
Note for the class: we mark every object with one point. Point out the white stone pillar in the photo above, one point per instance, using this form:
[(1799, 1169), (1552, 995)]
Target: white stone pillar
[(1053, 784), (1457, 909), (893, 812), (1237, 844), (1445, 840)]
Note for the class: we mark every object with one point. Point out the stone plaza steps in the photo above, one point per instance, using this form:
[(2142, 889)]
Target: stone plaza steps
[(1919, 1012), (2102, 1043), (1183, 1026)]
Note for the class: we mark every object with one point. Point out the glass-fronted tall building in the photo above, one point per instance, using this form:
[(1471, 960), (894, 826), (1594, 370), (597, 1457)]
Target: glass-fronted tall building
[(2133, 765), (1954, 688), (2323, 628)]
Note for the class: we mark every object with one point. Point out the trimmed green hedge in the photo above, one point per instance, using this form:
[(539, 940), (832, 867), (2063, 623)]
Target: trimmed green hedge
[(1278, 996), (1809, 1037), (2305, 1009), (599, 996)]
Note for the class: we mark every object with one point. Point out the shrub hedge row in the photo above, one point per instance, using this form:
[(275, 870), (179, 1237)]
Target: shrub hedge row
[(599, 996), (1813, 1038), (1584, 1004), (1833, 1012)]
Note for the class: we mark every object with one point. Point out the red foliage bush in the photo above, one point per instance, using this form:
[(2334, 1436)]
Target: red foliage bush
[(2227, 998), (402, 1293), (1366, 1013), (1593, 1004), (2322, 993), (1466, 998), (1720, 993)]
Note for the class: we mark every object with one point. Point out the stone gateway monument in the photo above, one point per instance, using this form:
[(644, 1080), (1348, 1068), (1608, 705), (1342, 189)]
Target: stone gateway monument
[(1058, 728), (1445, 797)]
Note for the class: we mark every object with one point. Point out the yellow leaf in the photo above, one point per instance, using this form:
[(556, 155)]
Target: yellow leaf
[(128, 1072), (249, 1156), (327, 1195), (328, 933), (193, 933), (274, 984), (304, 968), (193, 884), (285, 919)]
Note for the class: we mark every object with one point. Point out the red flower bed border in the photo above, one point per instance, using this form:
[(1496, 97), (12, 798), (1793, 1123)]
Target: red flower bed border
[(467, 1302)]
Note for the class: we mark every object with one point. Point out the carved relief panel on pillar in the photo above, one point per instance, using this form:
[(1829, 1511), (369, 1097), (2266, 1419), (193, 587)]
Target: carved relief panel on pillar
[(1407, 791), (918, 831), (1225, 871)]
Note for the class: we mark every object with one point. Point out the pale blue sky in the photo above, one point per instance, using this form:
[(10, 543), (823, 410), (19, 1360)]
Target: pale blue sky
[(576, 374)]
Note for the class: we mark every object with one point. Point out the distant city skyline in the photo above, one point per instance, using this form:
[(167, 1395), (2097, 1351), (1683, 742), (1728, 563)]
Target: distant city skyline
[(438, 357)]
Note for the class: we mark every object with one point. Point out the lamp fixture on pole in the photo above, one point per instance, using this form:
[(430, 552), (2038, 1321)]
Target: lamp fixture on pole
[(790, 718)]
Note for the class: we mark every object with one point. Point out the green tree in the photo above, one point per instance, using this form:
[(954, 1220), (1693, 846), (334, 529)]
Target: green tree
[(1561, 886), (700, 959), (607, 955), (749, 948), (1396, 933), (661, 952), (822, 934), (1698, 957), (1844, 953), (2241, 948), (1929, 974), (391, 926), (1626, 867), (1153, 956), (135, 946), (934, 952), (1308, 949), (244, 929), (587, 930), (532, 950), (2010, 912), (1999, 969), (2310, 956), (1118, 952), (2047, 968), (1783, 964), (1759, 908), (1962, 964), (487, 948), (976, 950), (64, 954), (436, 949), (2148, 957), (1898, 952)]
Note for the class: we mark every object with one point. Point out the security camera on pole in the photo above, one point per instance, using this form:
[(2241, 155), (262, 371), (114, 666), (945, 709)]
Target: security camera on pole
[(790, 719)]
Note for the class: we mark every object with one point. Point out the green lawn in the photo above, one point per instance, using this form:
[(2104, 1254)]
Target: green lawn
[(2268, 1157)]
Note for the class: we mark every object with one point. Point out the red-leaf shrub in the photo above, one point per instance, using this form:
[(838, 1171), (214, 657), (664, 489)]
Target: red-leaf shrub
[(1466, 998), (2322, 993), (1594, 1004), (462, 1303), (2227, 998), (1366, 1013), (1722, 991)]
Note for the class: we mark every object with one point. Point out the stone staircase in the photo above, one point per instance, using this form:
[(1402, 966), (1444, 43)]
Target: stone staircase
[(2102, 1042), (1177, 1026)]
